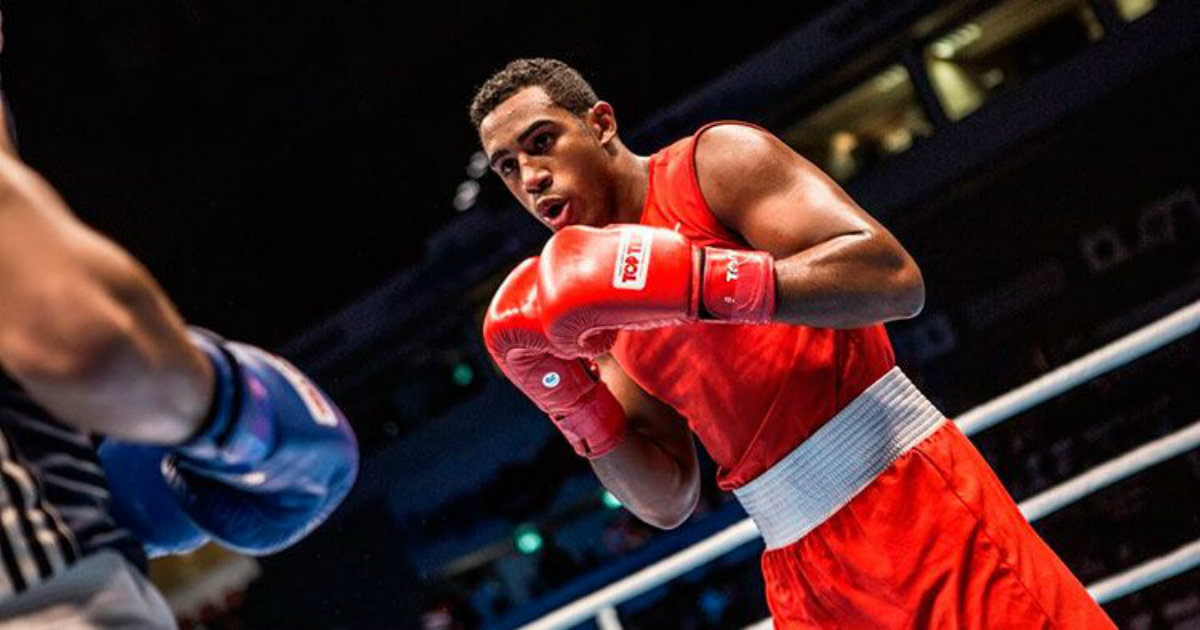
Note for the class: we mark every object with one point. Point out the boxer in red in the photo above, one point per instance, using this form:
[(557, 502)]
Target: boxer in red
[(727, 286)]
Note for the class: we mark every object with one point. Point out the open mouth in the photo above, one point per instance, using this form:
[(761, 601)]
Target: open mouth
[(554, 210)]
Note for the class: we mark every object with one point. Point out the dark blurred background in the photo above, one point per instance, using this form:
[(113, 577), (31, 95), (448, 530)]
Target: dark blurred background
[(270, 161), (301, 175)]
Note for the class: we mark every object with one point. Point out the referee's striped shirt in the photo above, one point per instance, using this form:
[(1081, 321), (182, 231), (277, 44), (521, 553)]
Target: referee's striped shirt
[(53, 496)]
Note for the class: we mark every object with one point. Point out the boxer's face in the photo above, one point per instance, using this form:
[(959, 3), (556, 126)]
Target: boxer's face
[(556, 164)]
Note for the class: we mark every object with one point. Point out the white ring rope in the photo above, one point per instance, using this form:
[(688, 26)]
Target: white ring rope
[(1111, 472), (1127, 349), (1148, 573), (607, 619), (1116, 354), (658, 573)]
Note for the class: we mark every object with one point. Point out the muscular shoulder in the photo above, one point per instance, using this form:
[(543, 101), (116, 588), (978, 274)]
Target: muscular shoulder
[(737, 165)]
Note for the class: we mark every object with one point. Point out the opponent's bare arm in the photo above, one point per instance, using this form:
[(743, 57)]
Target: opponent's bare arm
[(6, 141), (7, 144), (836, 267), (654, 471), (84, 328)]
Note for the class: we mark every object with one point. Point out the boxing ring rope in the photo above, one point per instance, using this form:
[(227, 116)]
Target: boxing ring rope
[(1129, 348), (1111, 472), (601, 604), (1150, 572)]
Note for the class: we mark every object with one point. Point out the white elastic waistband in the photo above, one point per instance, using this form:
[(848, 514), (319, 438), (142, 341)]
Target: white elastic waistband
[(821, 475)]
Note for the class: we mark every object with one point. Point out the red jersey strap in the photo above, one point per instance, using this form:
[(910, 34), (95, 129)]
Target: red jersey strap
[(665, 166)]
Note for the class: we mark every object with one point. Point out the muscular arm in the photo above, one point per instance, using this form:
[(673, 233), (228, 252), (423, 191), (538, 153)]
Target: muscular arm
[(835, 266), (654, 471), (84, 328)]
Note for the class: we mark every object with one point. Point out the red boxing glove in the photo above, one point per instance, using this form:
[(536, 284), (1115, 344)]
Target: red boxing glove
[(592, 282), (569, 390)]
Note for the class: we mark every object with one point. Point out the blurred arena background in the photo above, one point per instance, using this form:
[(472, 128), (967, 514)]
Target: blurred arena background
[(302, 175)]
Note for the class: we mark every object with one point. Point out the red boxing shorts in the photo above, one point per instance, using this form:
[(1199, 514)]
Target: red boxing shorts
[(887, 517)]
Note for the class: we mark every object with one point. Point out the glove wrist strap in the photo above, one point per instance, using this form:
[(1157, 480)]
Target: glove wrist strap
[(223, 439), (738, 285)]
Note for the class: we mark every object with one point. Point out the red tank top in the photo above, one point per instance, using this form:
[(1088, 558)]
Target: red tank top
[(751, 393)]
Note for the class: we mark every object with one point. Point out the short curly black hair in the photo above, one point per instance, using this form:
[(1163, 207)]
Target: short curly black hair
[(565, 86)]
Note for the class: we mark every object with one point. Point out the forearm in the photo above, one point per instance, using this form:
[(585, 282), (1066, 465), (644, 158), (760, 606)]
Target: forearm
[(850, 281), (85, 329), (120, 366), (132, 375), (660, 487)]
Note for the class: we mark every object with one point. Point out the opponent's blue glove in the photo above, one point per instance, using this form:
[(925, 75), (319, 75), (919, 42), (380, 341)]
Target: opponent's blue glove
[(143, 503), (273, 460)]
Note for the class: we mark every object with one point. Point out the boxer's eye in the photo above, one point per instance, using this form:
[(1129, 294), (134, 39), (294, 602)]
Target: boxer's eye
[(506, 167), (541, 142)]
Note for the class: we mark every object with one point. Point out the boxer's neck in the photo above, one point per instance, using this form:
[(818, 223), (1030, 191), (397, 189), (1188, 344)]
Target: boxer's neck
[(632, 184)]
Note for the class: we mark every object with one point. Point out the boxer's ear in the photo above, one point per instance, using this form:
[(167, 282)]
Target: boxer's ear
[(602, 122)]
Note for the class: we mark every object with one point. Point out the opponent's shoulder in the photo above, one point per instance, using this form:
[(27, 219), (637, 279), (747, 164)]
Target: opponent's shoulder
[(27, 202), (12, 186)]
